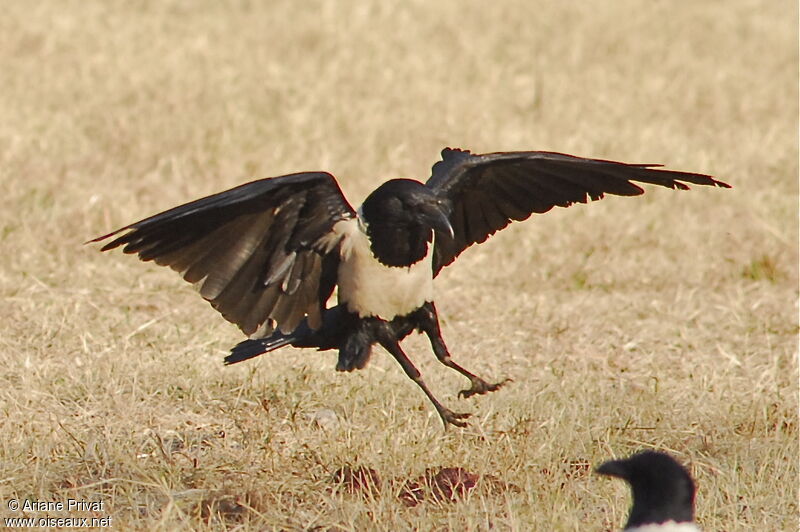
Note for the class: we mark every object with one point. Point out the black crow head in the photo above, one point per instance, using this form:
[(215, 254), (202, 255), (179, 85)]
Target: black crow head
[(401, 216), (407, 202), (662, 488)]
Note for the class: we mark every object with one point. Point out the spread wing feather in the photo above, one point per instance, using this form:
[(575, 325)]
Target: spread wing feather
[(263, 254), (487, 192)]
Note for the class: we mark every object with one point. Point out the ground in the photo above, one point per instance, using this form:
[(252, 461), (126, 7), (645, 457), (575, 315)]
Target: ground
[(667, 321)]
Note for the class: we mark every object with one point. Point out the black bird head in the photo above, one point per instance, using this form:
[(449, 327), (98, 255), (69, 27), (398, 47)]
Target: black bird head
[(408, 202), (662, 488), (401, 216)]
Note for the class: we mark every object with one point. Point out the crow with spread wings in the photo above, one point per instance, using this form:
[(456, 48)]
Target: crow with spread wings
[(268, 254)]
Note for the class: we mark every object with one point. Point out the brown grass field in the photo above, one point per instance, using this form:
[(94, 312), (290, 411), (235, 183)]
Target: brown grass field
[(667, 321)]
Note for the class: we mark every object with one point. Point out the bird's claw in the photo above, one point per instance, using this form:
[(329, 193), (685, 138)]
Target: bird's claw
[(453, 418), (480, 387)]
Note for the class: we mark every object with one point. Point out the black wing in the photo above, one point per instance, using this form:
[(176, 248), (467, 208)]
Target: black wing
[(488, 191), (264, 254)]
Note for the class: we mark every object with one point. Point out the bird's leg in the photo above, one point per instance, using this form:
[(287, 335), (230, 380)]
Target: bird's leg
[(429, 323), (387, 340)]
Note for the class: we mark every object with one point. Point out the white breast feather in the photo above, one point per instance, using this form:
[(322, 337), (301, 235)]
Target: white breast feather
[(669, 526), (370, 288)]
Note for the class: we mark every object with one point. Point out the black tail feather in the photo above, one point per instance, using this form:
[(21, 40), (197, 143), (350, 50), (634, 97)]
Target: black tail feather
[(252, 348), (336, 325)]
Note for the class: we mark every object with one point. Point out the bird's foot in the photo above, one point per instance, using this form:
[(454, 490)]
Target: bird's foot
[(480, 387), (452, 418)]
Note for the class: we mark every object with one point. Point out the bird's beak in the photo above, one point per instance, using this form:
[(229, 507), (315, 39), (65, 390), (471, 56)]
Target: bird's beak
[(613, 468), (439, 221)]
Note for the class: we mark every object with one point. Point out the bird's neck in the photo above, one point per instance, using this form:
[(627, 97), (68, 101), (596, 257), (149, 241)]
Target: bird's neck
[(398, 245), (656, 507)]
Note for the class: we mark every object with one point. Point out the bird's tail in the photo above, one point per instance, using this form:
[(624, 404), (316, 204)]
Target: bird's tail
[(336, 323), (252, 348)]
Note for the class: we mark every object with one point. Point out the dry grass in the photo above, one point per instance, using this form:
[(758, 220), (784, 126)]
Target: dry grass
[(666, 321)]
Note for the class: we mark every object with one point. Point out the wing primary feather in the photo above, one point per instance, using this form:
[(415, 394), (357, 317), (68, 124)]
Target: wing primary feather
[(286, 314), (228, 261), (200, 268), (526, 194), (236, 301), (459, 223), (551, 188), (291, 280), (594, 181), (181, 258), (314, 305), (476, 227), (494, 218), (261, 311), (279, 269)]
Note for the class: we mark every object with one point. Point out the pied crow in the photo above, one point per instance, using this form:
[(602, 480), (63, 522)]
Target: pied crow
[(663, 492), (268, 254)]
